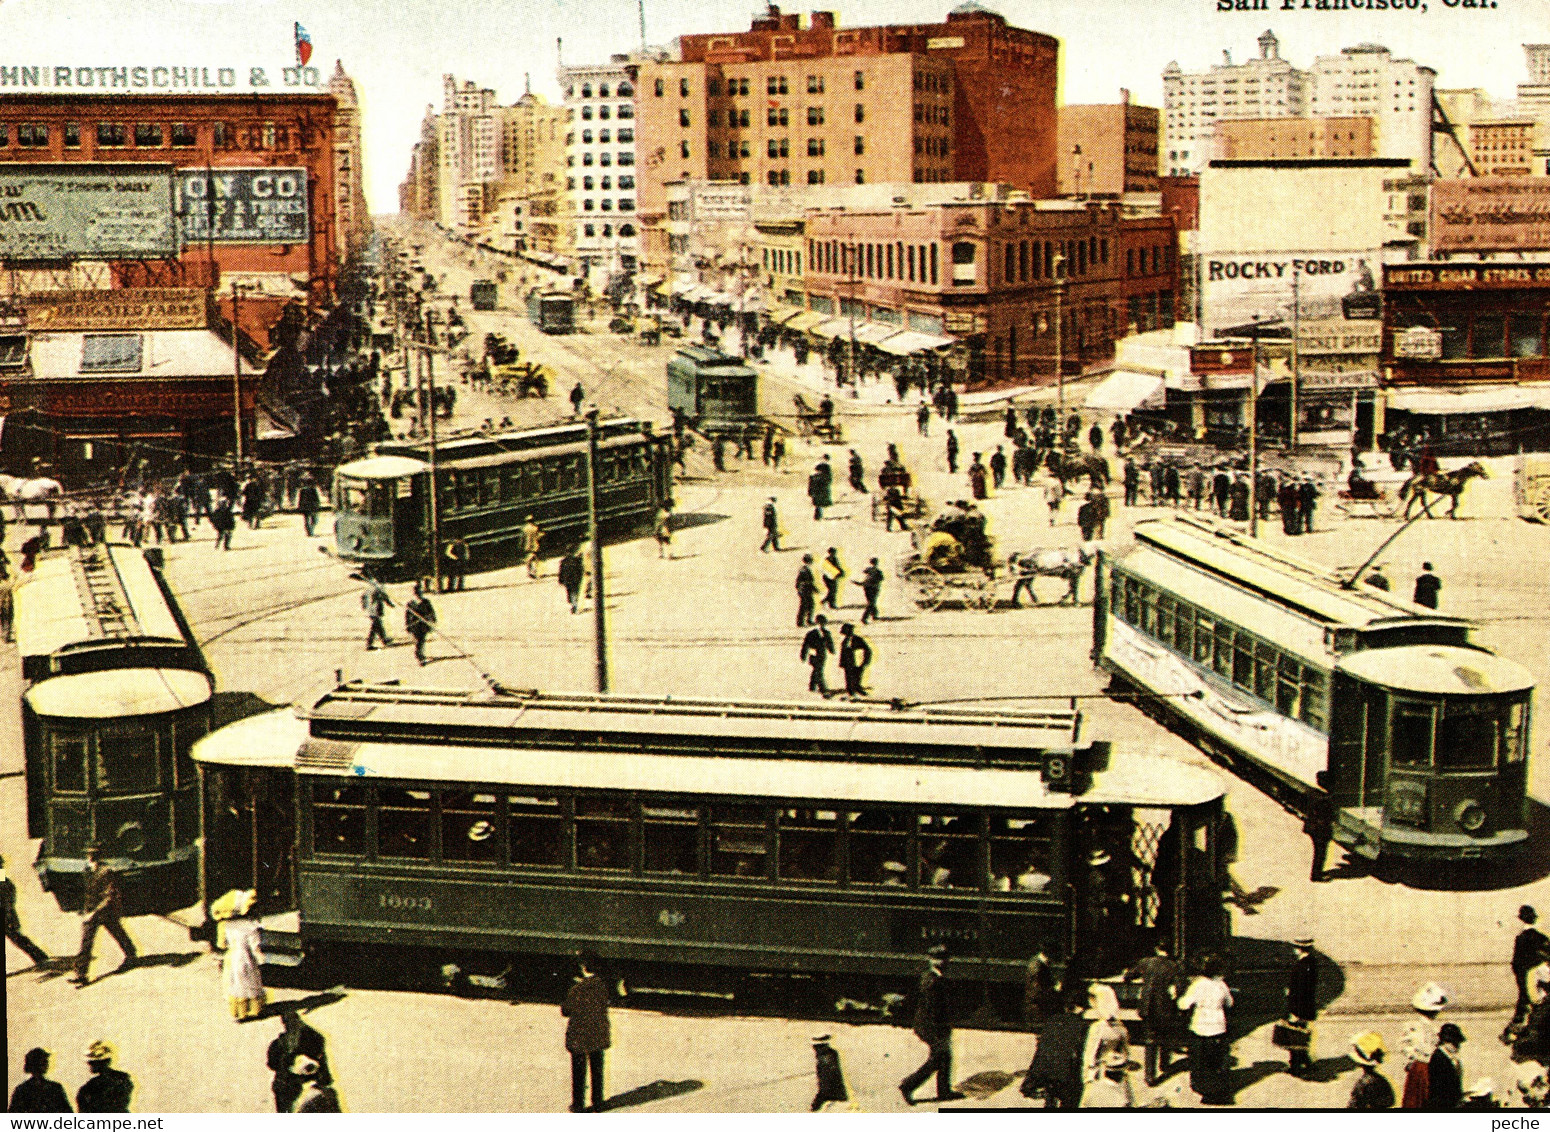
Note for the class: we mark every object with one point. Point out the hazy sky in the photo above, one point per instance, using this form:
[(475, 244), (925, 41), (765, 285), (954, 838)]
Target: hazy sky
[(397, 50)]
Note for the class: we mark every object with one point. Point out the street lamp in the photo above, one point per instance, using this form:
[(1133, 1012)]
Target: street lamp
[(1059, 263)]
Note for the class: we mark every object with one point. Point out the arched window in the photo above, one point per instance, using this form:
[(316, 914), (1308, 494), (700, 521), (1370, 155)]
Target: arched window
[(626, 230), (625, 90), (602, 90)]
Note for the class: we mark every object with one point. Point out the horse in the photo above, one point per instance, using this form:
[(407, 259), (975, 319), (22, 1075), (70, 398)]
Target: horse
[(15, 489), (1050, 562), (1066, 467), (1441, 483)]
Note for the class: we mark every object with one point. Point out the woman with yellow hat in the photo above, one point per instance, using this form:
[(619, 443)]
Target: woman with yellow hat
[(1372, 1091), (237, 938)]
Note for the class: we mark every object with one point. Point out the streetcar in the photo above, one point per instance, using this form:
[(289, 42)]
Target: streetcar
[(482, 294), (712, 392), (761, 837), (1323, 694), (553, 312), (487, 485), (116, 693)]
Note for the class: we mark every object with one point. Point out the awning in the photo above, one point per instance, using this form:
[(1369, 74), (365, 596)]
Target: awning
[(782, 315), (874, 332), (912, 342), (1124, 391), (831, 328), (806, 320), (1470, 399)]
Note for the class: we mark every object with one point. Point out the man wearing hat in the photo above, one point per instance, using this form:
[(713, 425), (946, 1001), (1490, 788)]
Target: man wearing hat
[(1056, 1068), (1372, 1091), (933, 1027), (107, 1089), (295, 1038), (1445, 1072), (1527, 949), (100, 908), (1160, 975), (1096, 912), (1111, 1088), (587, 1034), (1302, 1001), (831, 1078), (13, 925), (314, 1096), (37, 1093)]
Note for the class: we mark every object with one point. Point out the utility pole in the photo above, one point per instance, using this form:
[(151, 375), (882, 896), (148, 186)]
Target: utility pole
[(430, 397), (855, 281), (1060, 365), (1291, 425), (236, 372), (599, 625), (1254, 440)]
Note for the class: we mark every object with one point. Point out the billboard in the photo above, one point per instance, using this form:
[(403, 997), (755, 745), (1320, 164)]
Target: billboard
[(1491, 214), (141, 308), (248, 206), (55, 212), (1238, 291)]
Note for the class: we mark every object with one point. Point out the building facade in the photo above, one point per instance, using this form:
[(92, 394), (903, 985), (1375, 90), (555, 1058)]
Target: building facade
[(1272, 139), (1193, 102), (601, 170), (1107, 150), (352, 217), (1502, 147), (417, 195), (468, 137), (1366, 81)]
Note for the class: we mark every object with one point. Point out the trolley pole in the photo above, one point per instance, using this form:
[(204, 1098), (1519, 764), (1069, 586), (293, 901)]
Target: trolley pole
[(1254, 440), (430, 397), (599, 623)]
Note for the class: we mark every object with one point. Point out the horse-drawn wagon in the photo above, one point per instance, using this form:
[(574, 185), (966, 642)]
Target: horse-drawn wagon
[(1532, 489), (817, 424), (951, 562)]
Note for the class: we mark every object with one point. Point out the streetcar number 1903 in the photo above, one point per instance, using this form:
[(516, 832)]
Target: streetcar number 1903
[(404, 903)]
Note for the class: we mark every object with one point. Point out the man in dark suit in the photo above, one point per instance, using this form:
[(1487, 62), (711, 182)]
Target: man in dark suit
[(107, 1089), (855, 655), (587, 1035), (295, 1040), (933, 1026), (13, 925), (101, 908), (1445, 1076), (1527, 949), (37, 1093), (807, 592), (1302, 1000), (1057, 1062), (816, 647), (1159, 974)]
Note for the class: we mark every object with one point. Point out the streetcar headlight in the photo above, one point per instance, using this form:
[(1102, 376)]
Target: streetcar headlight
[(1470, 815), (130, 837)]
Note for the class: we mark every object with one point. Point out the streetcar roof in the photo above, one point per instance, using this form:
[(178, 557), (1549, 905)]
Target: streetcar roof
[(1309, 587), (501, 443), (271, 739), (1443, 670), (382, 467), (117, 692), (78, 596)]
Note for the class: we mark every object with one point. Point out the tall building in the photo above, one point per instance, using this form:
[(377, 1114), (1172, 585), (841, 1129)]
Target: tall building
[(1534, 101), (530, 200), (600, 169), (352, 218), (417, 195), (1193, 102), (1502, 146), (1108, 149), (468, 137), (1366, 81)]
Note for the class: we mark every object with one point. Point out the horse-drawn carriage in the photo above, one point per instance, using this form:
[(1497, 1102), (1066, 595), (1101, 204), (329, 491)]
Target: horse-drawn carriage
[(817, 424), (1371, 497), (896, 491), (951, 562), (504, 373)]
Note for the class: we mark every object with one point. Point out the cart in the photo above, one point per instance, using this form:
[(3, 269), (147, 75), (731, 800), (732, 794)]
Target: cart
[(813, 424), (1532, 486), (1382, 501), (951, 563)]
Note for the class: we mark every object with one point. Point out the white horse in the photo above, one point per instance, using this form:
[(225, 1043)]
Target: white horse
[(15, 489), (1050, 562)]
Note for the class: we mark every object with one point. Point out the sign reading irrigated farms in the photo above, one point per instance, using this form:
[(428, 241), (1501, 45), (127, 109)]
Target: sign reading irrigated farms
[(252, 206), (53, 212)]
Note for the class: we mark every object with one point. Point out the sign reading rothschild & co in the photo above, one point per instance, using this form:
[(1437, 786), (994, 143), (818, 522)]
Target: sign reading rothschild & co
[(57, 212)]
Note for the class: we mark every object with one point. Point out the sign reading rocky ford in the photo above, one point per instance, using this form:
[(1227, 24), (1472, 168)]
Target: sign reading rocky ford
[(1491, 214), (147, 308), (55, 212), (251, 206)]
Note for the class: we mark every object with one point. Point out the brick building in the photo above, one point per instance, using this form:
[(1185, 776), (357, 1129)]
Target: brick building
[(1107, 149), (1272, 139)]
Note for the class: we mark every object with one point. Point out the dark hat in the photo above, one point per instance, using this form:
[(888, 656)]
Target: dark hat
[(1303, 942), (1449, 1032), (822, 1039), (1527, 914)]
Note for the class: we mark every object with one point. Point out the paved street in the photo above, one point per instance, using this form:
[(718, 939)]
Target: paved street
[(278, 618)]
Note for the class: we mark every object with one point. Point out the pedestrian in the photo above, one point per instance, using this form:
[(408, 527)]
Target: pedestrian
[(1009, 424), (1054, 492), (571, 575), (1307, 503), (1527, 948), (1419, 1043), (587, 1034), (807, 591), (295, 1039), (767, 448), (577, 396), (1238, 506), (37, 1093), (832, 572), (977, 478), (952, 453), (1159, 974), (1095, 437), (1445, 1072), (1132, 479), (1264, 494), (253, 496), (1301, 1007), (532, 535), (718, 452), (313, 1095), (455, 557), (223, 522), (855, 655), (1100, 512), (309, 502), (375, 601), (923, 419), (1372, 1091), (1206, 999), (816, 647), (662, 530), (13, 924), (107, 1089), (997, 468), (1427, 586), (101, 906), (1111, 1087), (1378, 580), (818, 491), (871, 584), (237, 939), (857, 473), (831, 1077), (1171, 485), (933, 1026), (771, 527), (419, 620), (778, 452), (1221, 490), (1197, 486), (1318, 822), (1040, 998), (893, 508), (1107, 1034), (1056, 1068), (1289, 499)]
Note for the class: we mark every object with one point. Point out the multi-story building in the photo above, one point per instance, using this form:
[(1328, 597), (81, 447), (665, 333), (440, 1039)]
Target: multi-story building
[(1272, 139), (417, 195), (600, 169), (1366, 81), (352, 218), (527, 201), (1502, 146), (1193, 102), (1107, 150), (468, 137)]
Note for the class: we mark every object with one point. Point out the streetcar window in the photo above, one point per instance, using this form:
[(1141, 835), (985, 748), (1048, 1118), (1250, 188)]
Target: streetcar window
[(490, 488), (468, 827), (537, 830), (1165, 619), (126, 763), (1514, 749), (1204, 628), (551, 472), (1265, 673), (403, 823), (1467, 736), (379, 499), (1019, 855), (570, 473), (1288, 687), (1315, 698), (879, 847), (949, 851), (350, 495), (339, 820), (68, 753), (1243, 662), (1223, 662), (532, 480), (809, 845), (1184, 630), (672, 839), (602, 833), (739, 842), (1410, 732), (1149, 611), (511, 484)]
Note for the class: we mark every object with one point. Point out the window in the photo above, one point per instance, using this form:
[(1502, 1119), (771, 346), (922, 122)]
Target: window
[(860, 145), (742, 120), (1411, 734), (468, 827), (627, 230), (626, 205), (860, 176), (1490, 335), (586, 205), (658, 90), (148, 135), (671, 838), (68, 757), (809, 846), (683, 88), (683, 149), (626, 157), (625, 90), (815, 147), (112, 135), (714, 121), (588, 230), (586, 183), (536, 830), (339, 820), (743, 151), (570, 184), (111, 353), (586, 90), (403, 823), (586, 159), (781, 117), (5, 135), (860, 80), (602, 833), (815, 115), (586, 113), (683, 118), (626, 181), (860, 112), (626, 135), (72, 135), (1526, 340), (1019, 854), (739, 843), (778, 147), (814, 84), (182, 135), (607, 183), (625, 113), (586, 137), (775, 84), (879, 847), (713, 88), (949, 848), (1468, 736), (607, 206), (32, 134), (815, 176)]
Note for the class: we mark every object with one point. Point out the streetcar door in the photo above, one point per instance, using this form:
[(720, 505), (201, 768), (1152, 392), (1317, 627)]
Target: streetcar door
[(1412, 724)]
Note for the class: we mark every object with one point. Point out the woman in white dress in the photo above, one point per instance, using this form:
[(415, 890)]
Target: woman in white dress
[(237, 938)]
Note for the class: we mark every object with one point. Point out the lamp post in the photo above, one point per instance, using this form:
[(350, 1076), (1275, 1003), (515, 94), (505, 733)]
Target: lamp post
[(236, 369), (599, 622), (1059, 264)]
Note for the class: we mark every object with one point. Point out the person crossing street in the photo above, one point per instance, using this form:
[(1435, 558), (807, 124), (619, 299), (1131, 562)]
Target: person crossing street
[(816, 647)]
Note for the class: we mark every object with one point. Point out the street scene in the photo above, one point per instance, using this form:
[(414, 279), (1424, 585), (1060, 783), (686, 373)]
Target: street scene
[(583, 603)]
